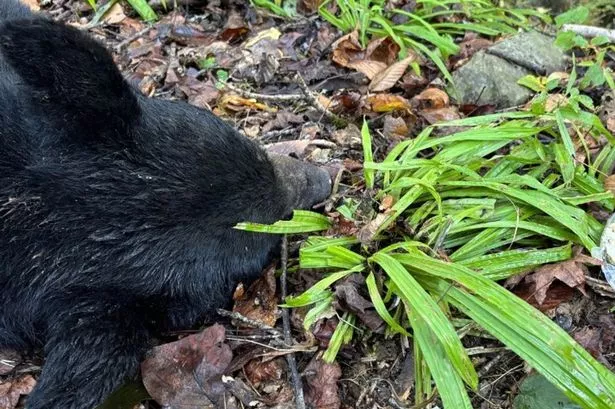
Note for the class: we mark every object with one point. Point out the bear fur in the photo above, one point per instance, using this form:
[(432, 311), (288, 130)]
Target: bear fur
[(117, 211)]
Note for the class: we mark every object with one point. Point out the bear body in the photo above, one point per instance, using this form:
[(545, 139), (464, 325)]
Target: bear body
[(117, 211)]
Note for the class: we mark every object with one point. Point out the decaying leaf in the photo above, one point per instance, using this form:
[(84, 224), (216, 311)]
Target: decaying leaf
[(321, 384), (11, 390), (432, 98), (187, 373), (258, 371), (570, 272), (259, 302), (349, 299)]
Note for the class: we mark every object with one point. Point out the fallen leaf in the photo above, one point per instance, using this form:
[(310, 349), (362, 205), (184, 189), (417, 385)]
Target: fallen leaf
[(187, 373), (389, 77), (283, 120), (432, 98), (349, 137), (369, 68), (444, 114), (10, 391), (269, 34), (258, 371), (382, 49), (115, 15), (347, 49), (321, 384), (570, 272), (590, 339), (259, 302), (555, 101), (387, 202), (348, 299), (395, 128), (388, 103), (232, 103), (468, 48), (308, 6)]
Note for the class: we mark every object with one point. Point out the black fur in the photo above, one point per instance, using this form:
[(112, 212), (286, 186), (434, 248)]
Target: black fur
[(116, 211)]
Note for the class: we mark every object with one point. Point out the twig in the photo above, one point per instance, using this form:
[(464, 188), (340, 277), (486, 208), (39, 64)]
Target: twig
[(601, 287), (171, 3), (124, 43), (247, 321), (590, 31), (316, 104), (290, 358), (265, 97), (277, 134)]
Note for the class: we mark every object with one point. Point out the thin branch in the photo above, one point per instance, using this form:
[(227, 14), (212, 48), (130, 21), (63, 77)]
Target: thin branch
[(290, 358), (590, 31)]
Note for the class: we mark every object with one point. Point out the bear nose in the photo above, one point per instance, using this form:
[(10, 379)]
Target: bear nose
[(318, 184), (305, 183)]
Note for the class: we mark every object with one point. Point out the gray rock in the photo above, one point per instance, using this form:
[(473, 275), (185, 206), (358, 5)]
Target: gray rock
[(490, 77), (532, 50), (489, 80)]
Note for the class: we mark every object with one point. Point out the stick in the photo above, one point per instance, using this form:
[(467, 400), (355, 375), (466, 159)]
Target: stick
[(124, 43), (265, 97), (290, 358), (247, 321), (337, 121), (590, 31)]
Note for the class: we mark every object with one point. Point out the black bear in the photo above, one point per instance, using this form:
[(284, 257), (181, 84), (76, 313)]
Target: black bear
[(117, 211)]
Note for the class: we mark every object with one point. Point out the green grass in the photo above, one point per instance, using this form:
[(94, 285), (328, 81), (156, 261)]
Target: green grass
[(430, 27), (500, 197)]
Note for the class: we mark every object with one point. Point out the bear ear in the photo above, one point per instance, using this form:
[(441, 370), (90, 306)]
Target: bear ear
[(71, 74)]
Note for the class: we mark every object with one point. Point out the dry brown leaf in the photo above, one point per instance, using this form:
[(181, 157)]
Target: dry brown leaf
[(389, 77), (115, 15), (187, 373), (259, 302), (369, 68), (347, 49), (555, 101), (388, 103), (349, 137), (308, 6), (471, 46), (432, 98), (444, 114), (382, 49), (396, 129), (258, 371), (570, 272), (234, 103), (387, 202), (10, 391), (321, 384)]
